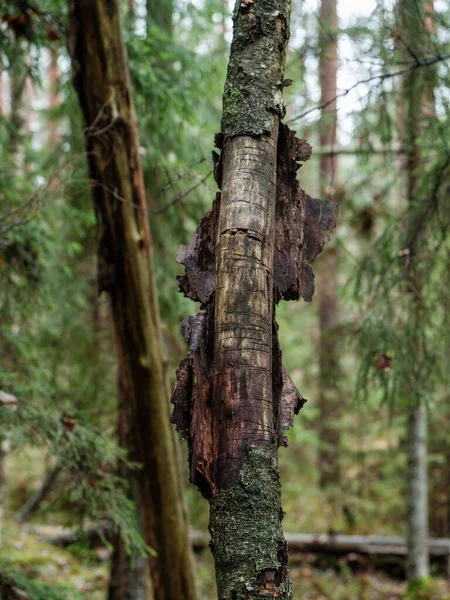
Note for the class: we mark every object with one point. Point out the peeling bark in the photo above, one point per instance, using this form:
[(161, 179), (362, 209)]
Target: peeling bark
[(233, 401)]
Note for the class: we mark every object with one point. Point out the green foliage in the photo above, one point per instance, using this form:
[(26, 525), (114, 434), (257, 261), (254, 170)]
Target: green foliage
[(424, 589), (56, 343), (90, 457), (37, 590), (398, 284)]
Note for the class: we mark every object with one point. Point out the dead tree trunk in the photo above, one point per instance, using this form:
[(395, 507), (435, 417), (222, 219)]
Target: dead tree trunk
[(102, 81), (329, 399), (233, 401)]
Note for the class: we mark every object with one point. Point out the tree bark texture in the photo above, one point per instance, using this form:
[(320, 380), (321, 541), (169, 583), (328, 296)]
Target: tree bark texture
[(329, 399), (102, 81), (414, 30), (417, 494), (232, 400), (53, 77), (128, 572)]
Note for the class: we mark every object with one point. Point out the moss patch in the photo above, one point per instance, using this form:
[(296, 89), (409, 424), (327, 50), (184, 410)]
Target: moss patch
[(247, 539), (254, 84)]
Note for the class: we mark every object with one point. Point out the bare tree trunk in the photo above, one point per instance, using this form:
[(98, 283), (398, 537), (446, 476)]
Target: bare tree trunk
[(1, 90), (125, 271), (329, 398), (17, 83), (233, 401), (417, 494), (129, 572), (53, 76)]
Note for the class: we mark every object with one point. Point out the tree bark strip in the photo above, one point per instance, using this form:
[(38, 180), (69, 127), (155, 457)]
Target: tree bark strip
[(102, 81), (232, 400)]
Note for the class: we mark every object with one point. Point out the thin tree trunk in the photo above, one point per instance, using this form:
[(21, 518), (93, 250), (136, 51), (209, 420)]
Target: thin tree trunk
[(329, 398), (415, 27), (1, 90), (17, 79), (233, 402), (53, 77), (129, 572), (125, 271), (417, 494)]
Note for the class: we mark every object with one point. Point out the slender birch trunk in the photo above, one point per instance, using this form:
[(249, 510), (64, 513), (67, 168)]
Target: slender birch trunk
[(415, 28), (417, 494), (233, 400), (329, 399), (102, 82)]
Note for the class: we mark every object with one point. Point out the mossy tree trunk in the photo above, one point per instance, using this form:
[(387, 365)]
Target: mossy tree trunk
[(102, 82), (329, 398), (129, 576), (233, 400)]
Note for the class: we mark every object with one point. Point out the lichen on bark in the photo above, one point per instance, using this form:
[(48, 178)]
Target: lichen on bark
[(254, 85), (256, 568)]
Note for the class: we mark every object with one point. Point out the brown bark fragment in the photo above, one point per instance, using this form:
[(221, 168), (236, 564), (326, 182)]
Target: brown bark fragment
[(191, 397), (301, 222), (199, 281), (287, 400), (291, 403)]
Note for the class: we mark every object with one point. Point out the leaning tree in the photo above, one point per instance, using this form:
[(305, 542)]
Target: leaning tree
[(125, 273)]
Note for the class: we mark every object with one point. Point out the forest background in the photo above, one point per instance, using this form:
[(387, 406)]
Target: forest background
[(56, 337)]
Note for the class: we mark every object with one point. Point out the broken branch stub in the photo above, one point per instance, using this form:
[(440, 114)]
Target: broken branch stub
[(301, 223)]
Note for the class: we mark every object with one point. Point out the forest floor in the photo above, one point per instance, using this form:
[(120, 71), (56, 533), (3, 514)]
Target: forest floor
[(80, 572)]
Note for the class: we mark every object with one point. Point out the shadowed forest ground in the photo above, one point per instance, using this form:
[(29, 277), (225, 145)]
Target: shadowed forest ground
[(85, 573)]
